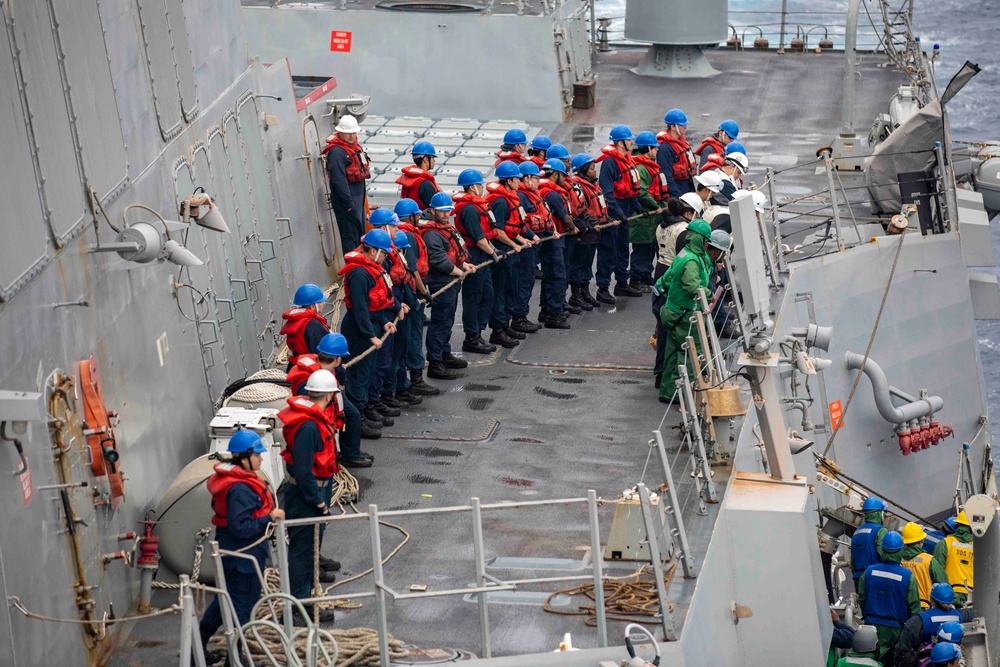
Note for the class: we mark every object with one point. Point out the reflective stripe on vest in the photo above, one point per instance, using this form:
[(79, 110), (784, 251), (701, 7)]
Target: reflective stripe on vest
[(933, 620), (886, 588), (856, 660), (959, 564), (863, 552)]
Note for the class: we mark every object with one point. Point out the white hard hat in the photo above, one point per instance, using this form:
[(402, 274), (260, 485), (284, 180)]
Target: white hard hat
[(711, 179), (740, 160), (322, 382), (693, 201), (759, 200), (348, 125)]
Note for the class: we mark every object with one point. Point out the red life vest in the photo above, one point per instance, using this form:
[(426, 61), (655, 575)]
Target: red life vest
[(514, 224), (456, 244), (422, 266), (300, 410), (305, 366), (591, 199), (512, 156), (627, 184), (541, 220), (713, 145), (715, 161), (463, 199), (547, 185), (410, 181), (380, 296), (657, 186), (540, 161), (294, 329), (398, 272), (228, 474), (358, 168), (686, 166)]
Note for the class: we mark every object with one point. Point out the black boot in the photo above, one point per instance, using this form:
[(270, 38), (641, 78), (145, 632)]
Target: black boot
[(639, 285), (371, 430), (406, 396), (477, 345), (419, 387), (393, 402), (524, 325), (560, 321), (623, 289), (385, 410), (499, 337), (451, 361), (578, 300), (516, 335), (587, 296), (438, 371), (542, 317), (372, 415), (329, 564), (572, 309), (604, 296), (325, 616)]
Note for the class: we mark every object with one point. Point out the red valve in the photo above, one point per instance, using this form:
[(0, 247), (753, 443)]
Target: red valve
[(149, 555), (905, 442)]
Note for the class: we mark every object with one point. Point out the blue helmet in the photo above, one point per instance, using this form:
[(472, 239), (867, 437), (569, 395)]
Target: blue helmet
[(580, 160), (730, 128), (401, 240), (873, 504), (557, 151), (333, 345), (529, 169), (381, 217), (541, 142), (944, 652), (378, 238), (307, 295), (892, 542), (470, 177), (942, 593), (423, 148), (508, 169), (442, 202), (621, 133), (952, 632), (406, 207), (735, 147), (950, 524), (675, 117), (552, 164), (515, 136), (646, 138), (244, 441)]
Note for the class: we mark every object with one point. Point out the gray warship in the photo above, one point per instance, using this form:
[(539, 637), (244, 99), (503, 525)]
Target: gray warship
[(165, 193)]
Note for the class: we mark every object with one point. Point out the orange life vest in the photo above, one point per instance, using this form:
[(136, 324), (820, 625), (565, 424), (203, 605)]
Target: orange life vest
[(541, 220), (410, 180), (627, 184), (305, 366), (512, 156), (228, 474), (358, 164), (294, 329), (686, 165), (714, 161), (380, 296), (591, 199), (422, 266), (658, 184), (463, 199), (514, 224), (547, 185), (456, 244), (300, 410), (711, 144)]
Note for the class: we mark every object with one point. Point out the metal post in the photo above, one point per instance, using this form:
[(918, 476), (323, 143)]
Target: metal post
[(484, 613), (687, 558), (833, 202), (706, 345), (778, 251), (824, 401), (737, 304), (383, 623), (229, 621), (281, 536), (654, 558), (850, 67), (949, 206), (593, 34), (784, 18), (187, 616), (711, 495), (597, 562), (717, 361), (767, 402)]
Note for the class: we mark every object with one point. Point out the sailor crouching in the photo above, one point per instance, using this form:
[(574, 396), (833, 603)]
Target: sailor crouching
[(244, 507)]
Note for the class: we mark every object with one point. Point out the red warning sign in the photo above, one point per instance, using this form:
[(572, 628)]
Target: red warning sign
[(836, 415), (340, 41), (27, 490)]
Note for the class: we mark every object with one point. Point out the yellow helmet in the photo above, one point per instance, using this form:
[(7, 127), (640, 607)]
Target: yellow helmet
[(962, 519), (913, 533)]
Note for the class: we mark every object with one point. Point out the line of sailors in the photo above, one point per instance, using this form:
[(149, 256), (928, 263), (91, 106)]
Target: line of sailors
[(910, 583)]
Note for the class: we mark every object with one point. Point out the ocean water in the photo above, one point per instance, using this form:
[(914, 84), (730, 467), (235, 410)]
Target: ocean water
[(964, 29)]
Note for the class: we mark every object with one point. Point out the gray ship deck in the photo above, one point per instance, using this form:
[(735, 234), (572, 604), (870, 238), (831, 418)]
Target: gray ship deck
[(527, 424)]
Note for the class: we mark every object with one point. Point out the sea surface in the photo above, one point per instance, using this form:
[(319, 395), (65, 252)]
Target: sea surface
[(964, 30)]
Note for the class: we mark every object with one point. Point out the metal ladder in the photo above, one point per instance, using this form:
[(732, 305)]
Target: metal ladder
[(897, 22)]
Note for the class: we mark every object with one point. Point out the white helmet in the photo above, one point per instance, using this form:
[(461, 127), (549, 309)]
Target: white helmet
[(711, 179), (693, 201), (759, 200), (322, 382), (740, 160), (347, 125)]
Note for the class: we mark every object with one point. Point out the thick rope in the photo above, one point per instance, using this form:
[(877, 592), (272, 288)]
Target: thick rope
[(626, 598)]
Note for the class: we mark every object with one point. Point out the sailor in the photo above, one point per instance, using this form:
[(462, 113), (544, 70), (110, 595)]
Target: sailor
[(310, 457), (417, 182), (244, 507), (590, 212), (393, 264), (735, 165), (866, 543), (715, 144), (680, 212), (405, 291), (619, 183), (934, 536), (676, 160), (367, 295), (955, 554), (553, 188), (415, 386), (329, 354), (887, 594), (348, 167), (538, 148), (842, 638), (473, 222), (514, 144), (864, 649), (689, 271), (447, 259), (652, 194), (945, 654), (922, 627), (537, 222), (927, 570), (304, 327), (559, 152), (508, 219)]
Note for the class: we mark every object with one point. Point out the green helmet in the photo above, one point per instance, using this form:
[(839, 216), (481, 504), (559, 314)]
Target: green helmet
[(701, 228)]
